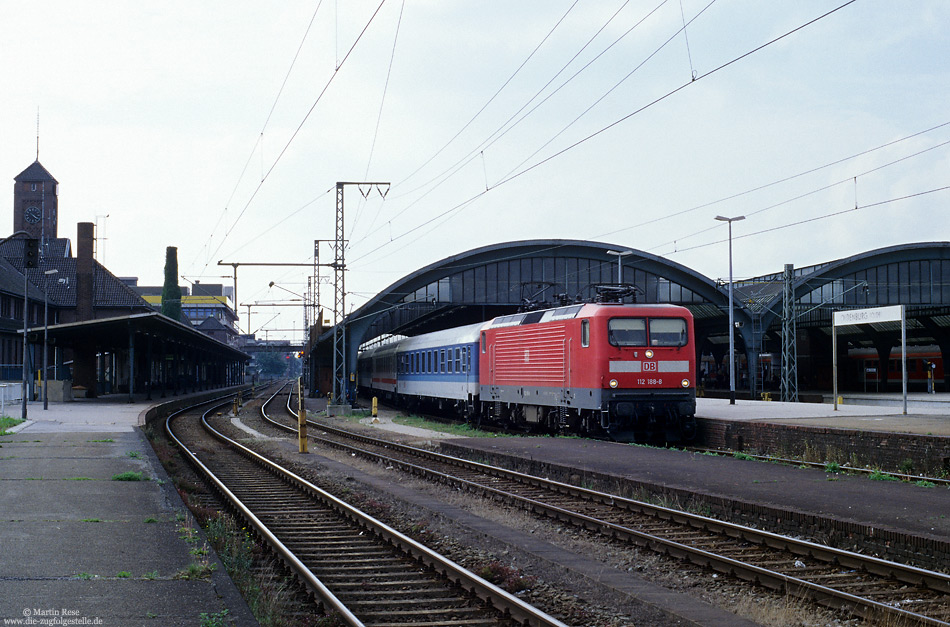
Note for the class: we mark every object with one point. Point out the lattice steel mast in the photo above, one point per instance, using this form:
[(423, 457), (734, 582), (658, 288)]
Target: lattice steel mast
[(340, 369), (789, 345)]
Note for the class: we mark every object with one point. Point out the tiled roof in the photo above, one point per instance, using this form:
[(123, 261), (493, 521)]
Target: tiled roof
[(212, 324), (36, 172), (52, 247), (109, 291)]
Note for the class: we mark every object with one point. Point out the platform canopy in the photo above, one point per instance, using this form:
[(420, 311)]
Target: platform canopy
[(114, 333), (152, 350)]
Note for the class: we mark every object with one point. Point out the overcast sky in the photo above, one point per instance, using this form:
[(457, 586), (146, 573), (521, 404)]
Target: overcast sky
[(222, 127)]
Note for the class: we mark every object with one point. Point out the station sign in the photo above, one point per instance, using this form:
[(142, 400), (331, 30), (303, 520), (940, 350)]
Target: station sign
[(893, 313)]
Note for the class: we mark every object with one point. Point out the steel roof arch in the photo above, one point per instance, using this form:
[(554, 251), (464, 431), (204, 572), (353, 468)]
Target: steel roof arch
[(827, 272), (676, 273)]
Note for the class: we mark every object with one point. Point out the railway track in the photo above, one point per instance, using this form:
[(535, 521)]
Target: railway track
[(876, 589), (360, 569)]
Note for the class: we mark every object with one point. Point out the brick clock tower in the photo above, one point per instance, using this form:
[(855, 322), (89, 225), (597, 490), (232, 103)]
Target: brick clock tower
[(36, 202)]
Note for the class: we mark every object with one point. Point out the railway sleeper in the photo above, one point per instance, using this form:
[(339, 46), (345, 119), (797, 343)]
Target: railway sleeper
[(447, 617), (437, 594)]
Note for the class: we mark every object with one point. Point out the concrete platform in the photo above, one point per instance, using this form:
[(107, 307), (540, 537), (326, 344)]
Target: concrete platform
[(78, 544), (927, 414)]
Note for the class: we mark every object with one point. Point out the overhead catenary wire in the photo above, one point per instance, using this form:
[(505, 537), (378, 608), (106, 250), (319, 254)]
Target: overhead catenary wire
[(296, 131), (609, 91), (812, 192), (669, 94), (455, 209), (435, 223), (785, 179), (511, 122), (689, 54), (823, 217), (260, 138), (495, 95), (379, 118)]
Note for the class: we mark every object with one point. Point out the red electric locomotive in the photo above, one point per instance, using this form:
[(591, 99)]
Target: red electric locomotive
[(622, 371)]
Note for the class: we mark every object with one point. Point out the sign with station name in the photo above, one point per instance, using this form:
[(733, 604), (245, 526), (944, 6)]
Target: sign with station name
[(894, 313)]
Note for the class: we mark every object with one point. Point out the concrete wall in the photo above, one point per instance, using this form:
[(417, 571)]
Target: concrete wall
[(927, 454)]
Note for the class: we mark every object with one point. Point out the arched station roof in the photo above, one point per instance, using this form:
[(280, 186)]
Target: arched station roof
[(499, 279), (915, 275), (494, 280)]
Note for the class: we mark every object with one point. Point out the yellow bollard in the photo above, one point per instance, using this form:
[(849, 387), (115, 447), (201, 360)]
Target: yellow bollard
[(375, 411)]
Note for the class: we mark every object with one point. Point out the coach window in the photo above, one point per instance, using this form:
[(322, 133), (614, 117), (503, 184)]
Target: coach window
[(627, 331), (667, 332), (449, 356), (442, 361), (458, 360), (585, 332)]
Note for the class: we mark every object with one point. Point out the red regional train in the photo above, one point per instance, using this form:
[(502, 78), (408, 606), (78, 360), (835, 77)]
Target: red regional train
[(924, 368), (626, 372)]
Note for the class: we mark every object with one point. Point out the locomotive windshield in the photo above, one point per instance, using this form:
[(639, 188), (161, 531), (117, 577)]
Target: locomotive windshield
[(643, 332), (667, 332)]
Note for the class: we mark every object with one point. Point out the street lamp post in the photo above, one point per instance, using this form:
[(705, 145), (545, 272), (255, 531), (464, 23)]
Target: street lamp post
[(25, 307), (620, 255), (732, 325), (46, 334)]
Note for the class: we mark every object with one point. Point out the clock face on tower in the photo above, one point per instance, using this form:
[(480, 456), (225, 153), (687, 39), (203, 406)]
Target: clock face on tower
[(32, 215)]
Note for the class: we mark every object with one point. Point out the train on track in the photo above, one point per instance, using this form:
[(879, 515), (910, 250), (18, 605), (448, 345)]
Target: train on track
[(924, 369), (624, 372)]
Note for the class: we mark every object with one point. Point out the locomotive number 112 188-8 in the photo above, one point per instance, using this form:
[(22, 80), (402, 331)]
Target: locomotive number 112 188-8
[(625, 372)]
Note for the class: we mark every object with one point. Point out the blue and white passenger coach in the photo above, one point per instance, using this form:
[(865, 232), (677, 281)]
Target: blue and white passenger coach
[(438, 369)]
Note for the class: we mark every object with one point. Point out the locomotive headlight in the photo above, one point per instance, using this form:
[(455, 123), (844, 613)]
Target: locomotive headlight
[(613, 383), (685, 383), (649, 354)]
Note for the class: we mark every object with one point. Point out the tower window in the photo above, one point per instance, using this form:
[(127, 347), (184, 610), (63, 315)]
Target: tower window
[(32, 187)]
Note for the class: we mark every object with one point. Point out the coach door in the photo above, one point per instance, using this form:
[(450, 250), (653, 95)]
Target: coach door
[(492, 382), (567, 371)]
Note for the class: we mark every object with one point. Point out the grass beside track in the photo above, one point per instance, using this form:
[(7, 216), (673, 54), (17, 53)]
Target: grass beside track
[(454, 428), (7, 422)]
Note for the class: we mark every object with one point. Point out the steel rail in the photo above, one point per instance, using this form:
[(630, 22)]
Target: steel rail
[(822, 594), (513, 607), (319, 589)]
